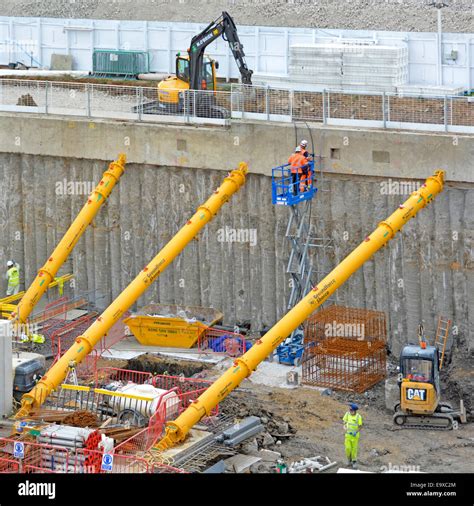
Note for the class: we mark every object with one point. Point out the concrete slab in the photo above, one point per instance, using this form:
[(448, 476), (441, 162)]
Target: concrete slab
[(217, 468), (61, 62), (73, 314), (194, 437), (241, 463), (268, 455), (273, 375)]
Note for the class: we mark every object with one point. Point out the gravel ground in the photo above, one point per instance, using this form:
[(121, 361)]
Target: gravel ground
[(316, 420), (397, 15)]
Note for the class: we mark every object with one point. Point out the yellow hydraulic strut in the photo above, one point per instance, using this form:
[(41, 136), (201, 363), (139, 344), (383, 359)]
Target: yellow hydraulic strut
[(46, 275), (85, 343), (244, 366)]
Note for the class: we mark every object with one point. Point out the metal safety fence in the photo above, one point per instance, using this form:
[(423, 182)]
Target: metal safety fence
[(28, 455), (64, 336), (400, 110), (20, 457), (8, 466)]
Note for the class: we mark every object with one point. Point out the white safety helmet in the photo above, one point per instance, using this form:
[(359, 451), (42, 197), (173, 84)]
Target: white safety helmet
[(10, 263), (303, 143), (297, 149)]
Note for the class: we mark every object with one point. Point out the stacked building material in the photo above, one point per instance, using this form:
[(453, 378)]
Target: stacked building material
[(71, 438), (350, 66), (248, 427)]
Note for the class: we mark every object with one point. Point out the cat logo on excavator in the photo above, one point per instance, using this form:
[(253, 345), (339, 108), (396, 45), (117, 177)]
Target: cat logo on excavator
[(416, 394)]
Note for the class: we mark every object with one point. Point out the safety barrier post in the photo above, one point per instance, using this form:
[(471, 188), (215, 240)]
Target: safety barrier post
[(46, 96), (445, 113), (384, 112), (88, 97), (267, 102), (291, 100), (324, 108), (139, 102)]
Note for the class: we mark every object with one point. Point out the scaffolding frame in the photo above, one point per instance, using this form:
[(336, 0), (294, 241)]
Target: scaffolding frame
[(304, 242)]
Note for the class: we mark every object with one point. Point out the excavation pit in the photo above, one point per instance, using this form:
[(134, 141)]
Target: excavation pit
[(160, 365)]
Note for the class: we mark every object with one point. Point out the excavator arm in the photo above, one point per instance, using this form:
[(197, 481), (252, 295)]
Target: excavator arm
[(223, 26), (47, 273), (177, 430), (84, 344)]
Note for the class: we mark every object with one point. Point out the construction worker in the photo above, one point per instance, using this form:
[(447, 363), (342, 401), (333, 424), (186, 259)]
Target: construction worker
[(304, 149), (307, 176), (297, 161), (13, 277), (352, 425)]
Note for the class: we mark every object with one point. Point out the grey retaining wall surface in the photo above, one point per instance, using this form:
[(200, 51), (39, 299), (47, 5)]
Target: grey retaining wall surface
[(421, 274)]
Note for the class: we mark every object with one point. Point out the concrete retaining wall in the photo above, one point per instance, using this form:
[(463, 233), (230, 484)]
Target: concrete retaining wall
[(426, 271)]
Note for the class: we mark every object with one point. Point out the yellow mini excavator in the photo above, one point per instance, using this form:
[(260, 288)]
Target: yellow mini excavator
[(197, 71), (420, 404)]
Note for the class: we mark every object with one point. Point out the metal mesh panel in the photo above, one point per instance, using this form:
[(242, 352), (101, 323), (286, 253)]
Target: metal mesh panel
[(308, 106), (113, 101), (342, 364), (348, 348), (355, 107), (461, 111), (68, 98), (416, 109), (26, 95)]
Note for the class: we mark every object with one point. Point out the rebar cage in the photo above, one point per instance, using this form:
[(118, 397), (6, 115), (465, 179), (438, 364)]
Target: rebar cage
[(348, 349)]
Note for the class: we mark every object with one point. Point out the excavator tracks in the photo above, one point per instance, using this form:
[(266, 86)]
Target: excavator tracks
[(436, 421)]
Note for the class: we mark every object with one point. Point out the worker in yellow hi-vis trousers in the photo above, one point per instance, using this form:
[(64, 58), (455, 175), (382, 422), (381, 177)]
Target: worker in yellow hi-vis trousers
[(13, 278), (352, 425)]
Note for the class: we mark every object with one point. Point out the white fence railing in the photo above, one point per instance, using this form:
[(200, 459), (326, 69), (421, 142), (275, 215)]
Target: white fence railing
[(242, 102)]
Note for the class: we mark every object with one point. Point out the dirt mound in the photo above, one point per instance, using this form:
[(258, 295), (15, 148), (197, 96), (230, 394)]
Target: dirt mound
[(160, 365)]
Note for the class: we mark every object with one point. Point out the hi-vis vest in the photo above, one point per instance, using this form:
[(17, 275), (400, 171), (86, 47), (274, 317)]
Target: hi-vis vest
[(13, 274), (353, 422)]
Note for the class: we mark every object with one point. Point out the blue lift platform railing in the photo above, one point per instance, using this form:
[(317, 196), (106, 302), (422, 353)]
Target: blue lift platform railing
[(287, 193)]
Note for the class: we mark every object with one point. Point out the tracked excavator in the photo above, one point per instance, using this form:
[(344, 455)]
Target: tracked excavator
[(420, 404), (85, 343), (197, 71), (243, 367)]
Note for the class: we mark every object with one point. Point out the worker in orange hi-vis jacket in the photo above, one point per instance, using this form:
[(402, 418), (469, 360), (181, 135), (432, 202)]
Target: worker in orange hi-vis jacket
[(307, 176), (297, 161)]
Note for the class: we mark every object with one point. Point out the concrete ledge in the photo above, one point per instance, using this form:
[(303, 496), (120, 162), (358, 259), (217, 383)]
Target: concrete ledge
[(356, 151)]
